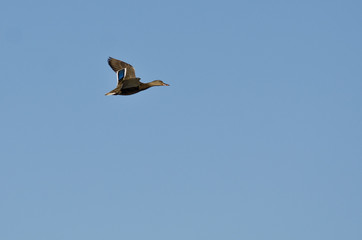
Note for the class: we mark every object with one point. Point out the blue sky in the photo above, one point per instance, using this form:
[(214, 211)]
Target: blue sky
[(258, 137)]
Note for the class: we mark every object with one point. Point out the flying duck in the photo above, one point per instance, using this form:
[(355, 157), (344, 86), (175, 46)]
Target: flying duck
[(127, 82)]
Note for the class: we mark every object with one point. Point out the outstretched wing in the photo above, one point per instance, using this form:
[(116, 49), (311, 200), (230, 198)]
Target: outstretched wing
[(118, 65)]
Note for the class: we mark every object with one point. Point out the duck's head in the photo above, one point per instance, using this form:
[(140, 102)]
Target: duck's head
[(158, 83)]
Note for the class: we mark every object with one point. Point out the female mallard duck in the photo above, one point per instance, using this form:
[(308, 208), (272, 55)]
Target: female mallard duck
[(128, 83)]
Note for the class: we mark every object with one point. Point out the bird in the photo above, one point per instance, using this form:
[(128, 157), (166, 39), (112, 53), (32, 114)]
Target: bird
[(127, 82)]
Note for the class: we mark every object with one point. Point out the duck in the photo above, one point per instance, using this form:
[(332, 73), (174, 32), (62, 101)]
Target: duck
[(127, 82)]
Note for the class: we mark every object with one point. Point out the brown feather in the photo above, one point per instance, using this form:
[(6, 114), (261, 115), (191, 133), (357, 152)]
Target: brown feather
[(117, 65)]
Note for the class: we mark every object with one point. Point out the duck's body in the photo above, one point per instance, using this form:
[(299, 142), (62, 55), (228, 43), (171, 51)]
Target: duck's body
[(128, 83)]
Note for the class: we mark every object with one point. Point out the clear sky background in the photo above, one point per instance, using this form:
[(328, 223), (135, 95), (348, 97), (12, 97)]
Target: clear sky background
[(258, 137)]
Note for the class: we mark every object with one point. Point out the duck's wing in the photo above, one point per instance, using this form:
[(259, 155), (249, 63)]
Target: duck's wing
[(118, 65), (130, 83)]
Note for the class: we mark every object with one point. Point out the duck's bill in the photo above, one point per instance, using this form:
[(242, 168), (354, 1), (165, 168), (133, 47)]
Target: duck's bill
[(165, 84)]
